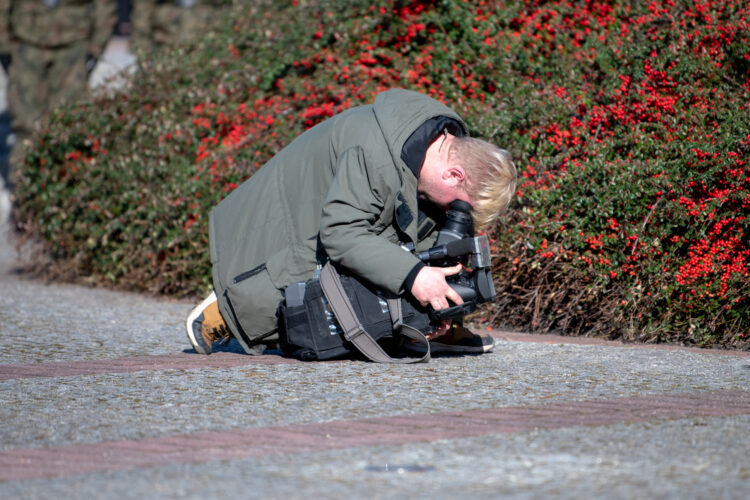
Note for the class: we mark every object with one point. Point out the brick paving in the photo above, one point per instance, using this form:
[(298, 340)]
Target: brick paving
[(188, 361), (136, 364), (20, 464)]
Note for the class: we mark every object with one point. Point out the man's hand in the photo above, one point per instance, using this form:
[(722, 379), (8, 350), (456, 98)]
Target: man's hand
[(430, 287)]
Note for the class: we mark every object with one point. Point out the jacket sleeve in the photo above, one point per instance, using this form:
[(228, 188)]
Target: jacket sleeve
[(349, 228)]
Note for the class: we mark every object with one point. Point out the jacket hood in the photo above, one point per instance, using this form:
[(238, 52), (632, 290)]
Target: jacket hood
[(400, 112)]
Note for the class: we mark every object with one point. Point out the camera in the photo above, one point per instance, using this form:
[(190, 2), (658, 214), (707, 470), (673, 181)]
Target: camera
[(455, 244)]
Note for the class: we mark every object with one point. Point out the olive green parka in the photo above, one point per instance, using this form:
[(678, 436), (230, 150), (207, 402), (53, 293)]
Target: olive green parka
[(340, 190)]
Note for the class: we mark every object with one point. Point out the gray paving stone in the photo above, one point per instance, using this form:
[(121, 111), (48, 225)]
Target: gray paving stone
[(43, 323)]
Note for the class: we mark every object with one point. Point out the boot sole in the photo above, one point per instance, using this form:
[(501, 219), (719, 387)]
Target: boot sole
[(438, 348)]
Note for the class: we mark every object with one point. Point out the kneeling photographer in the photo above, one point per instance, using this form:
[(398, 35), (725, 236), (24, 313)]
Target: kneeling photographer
[(353, 191)]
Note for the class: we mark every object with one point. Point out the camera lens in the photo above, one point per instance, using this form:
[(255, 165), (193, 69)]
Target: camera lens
[(458, 220)]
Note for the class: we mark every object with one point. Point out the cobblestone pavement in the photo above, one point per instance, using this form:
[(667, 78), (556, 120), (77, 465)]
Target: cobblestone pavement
[(101, 397)]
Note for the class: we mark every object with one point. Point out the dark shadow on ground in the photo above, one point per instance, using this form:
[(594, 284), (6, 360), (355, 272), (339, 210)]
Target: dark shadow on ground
[(233, 347)]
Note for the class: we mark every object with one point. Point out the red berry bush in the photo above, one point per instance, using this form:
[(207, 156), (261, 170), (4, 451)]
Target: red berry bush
[(628, 122)]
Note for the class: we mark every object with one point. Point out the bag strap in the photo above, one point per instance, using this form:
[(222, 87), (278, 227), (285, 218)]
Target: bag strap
[(354, 332), (397, 318)]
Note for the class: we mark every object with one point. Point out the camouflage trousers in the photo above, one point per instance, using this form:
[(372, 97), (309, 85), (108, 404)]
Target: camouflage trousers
[(38, 79)]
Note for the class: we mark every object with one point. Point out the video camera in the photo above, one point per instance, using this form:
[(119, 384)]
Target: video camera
[(456, 243)]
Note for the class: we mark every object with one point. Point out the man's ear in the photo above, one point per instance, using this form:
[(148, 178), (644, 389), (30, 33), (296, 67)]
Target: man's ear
[(454, 175)]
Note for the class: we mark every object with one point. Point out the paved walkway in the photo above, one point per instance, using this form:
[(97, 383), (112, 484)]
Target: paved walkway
[(101, 397)]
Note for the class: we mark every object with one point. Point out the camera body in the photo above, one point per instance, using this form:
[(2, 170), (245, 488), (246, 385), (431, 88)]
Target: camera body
[(455, 244)]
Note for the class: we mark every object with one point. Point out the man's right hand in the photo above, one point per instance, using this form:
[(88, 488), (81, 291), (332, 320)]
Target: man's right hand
[(430, 287)]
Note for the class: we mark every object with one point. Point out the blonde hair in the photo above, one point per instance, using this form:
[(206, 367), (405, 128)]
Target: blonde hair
[(490, 178)]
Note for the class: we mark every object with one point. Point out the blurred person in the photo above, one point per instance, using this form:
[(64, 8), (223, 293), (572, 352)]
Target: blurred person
[(354, 189), (159, 23), (48, 48)]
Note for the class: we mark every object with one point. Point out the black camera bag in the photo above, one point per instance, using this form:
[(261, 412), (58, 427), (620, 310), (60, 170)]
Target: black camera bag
[(338, 316)]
